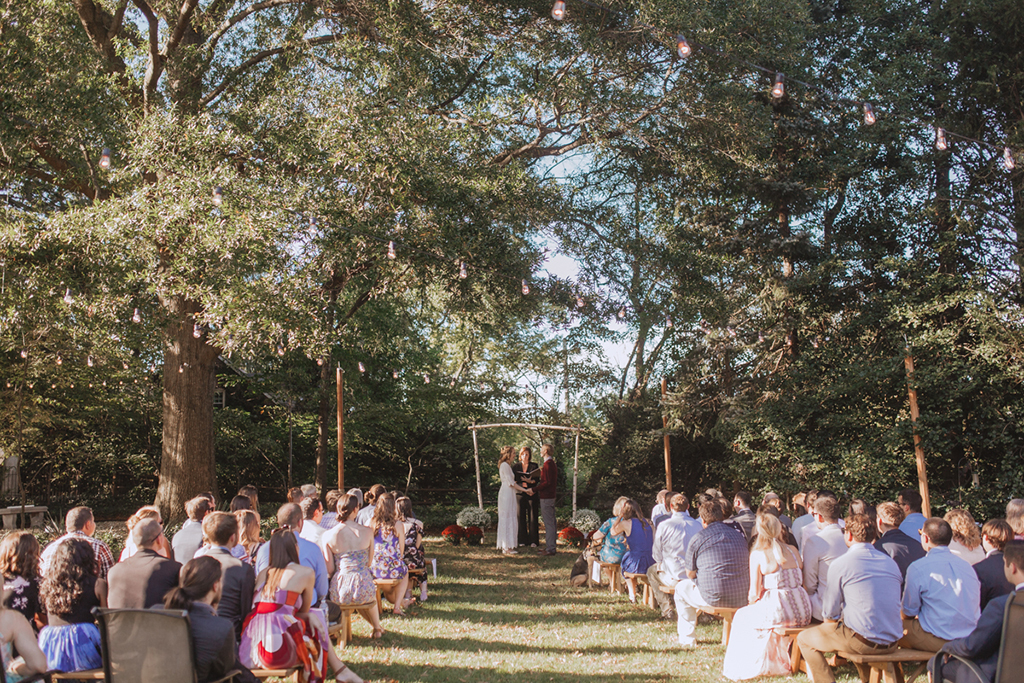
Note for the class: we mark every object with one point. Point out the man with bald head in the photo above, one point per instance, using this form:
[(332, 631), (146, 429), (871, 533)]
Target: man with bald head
[(146, 577)]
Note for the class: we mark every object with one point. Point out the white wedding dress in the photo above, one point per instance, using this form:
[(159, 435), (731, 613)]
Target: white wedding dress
[(508, 510)]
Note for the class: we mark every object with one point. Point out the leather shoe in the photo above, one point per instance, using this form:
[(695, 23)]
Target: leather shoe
[(547, 552)]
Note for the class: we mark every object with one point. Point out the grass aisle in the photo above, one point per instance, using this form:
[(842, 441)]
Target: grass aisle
[(495, 619)]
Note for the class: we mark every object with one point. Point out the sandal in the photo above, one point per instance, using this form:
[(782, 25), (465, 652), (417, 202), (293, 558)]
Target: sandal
[(346, 675), (378, 633)]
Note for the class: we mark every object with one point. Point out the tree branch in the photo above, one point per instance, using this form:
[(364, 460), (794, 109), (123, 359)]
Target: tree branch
[(252, 9), (102, 28), (184, 17), (465, 86), (156, 60)]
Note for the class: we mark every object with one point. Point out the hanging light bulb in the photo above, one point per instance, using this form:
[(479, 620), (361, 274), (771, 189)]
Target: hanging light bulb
[(463, 273), (136, 318), (683, 48), (869, 114), (941, 143), (426, 378), (362, 368), (319, 361), (60, 359), (67, 297), (218, 195), (580, 303), (280, 349), (815, 343), (181, 369), (152, 369), (90, 361), (451, 385), (91, 311), (24, 353), (558, 10), (105, 158), (394, 374), (779, 85), (391, 250), (526, 288), (197, 330), (124, 365), (622, 313), (1008, 162), (668, 321)]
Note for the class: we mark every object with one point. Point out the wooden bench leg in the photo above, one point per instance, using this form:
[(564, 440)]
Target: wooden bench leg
[(726, 628), (590, 572), (795, 657)]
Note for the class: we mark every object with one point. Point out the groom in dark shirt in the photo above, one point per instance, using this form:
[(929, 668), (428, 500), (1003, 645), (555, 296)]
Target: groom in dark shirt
[(546, 493)]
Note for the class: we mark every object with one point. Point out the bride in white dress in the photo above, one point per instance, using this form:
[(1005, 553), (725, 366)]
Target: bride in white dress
[(508, 508)]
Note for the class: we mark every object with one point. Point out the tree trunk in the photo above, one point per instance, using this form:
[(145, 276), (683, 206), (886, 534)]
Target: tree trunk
[(187, 467)]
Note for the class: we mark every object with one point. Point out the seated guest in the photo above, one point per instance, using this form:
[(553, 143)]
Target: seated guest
[(798, 505), (813, 528), (859, 506), (19, 563), (743, 515), (983, 644), (289, 517), (71, 639), (821, 550), (189, 538), (309, 491), (358, 493), (388, 550), (613, 546), (639, 534), (664, 512), (252, 493), (1015, 517), (17, 636), (237, 580), (716, 572), (805, 519), (901, 548), (248, 535), (913, 520), (146, 577), (414, 558), (860, 607), (240, 503), (79, 523), (213, 636), (312, 513), (787, 535), (966, 543), (994, 536), (144, 512), (330, 517), (727, 510), (668, 551), (661, 503), (295, 495), (776, 502), (942, 594), (777, 599), (366, 514), (348, 548)]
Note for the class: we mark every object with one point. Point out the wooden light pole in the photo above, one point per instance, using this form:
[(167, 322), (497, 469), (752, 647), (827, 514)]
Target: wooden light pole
[(341, 428), (922, 474), (664, 423)]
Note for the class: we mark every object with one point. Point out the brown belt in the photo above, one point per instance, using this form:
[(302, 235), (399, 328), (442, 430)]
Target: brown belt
[(869, 643)]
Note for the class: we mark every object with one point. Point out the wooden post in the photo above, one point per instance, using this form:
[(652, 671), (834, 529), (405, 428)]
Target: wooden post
[(922, 475), (341, 428), (575, 472), (668, 448), (479, 485)]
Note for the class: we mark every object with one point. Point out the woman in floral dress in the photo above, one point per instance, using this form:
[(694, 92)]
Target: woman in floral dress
[(389, 551), (347, 548)]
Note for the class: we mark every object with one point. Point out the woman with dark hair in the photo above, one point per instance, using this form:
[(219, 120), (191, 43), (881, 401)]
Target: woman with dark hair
[(240, 502), (388, 551), (19, 563), (249, 534), (279, 634), (348, 548), (366, 514), (639, 534), (71, 640), (414, 558)]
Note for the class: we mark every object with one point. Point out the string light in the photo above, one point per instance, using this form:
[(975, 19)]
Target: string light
[(526, 288), (940, 140), (622, 313), (60, 359), (391, 251), (683, 48), (181, 369), (463, 273), (815, 343), (280, 349), (362, 368), (1008, 162), (426, 378), (24, 353), (869, 114), (197, 330), (668, 321), (124, 365), (136, 317), (105, 158), (580, 303), (90, 361), (558, 10), (218, 195), (67, 297), (779, 85), (319, 361), (394, 374)]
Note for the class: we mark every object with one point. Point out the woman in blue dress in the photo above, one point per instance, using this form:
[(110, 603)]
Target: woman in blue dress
[(639, 533), (71, 641)]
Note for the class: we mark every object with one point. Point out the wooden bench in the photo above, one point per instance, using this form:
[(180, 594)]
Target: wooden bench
[(724, 613), (35, 515), (795, 657), (381, 584), (263, 674), (416, 577), (98, 675), (637, 580), (613, 573), (888, 667), (342, 631)]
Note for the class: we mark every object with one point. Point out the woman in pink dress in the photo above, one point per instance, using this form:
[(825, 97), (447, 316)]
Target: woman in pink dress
[(777, 600), (279, 634)]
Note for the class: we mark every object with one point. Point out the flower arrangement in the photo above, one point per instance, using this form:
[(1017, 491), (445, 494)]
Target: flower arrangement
[(453, 534), (474, 535), (585, 520), (572, 536), (473, 516)]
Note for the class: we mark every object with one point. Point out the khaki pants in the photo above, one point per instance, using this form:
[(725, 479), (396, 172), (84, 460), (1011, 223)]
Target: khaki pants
[(833, 636), (664, 600), (916, 638)]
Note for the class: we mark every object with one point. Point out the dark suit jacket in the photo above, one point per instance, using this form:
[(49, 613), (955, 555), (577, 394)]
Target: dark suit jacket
[(901, 548), (213, 640), (237, 584), (982, 646), (745, 519), (993, 579), (141, 581)]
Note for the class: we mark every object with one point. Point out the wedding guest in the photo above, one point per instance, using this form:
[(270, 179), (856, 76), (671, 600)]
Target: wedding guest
[(237, 579), (661, 503), (901, 548), (312, 513), (662, 516), (805, 519), (248, 534), (639, 534), (71, 639), (775, 501), (146, 577), (727, 518), (671, 539), (966, 543), (414, 558), (330, 517), (240, 502), (289, 518), (358, 493), (309, 491), (347, 549), (17, 636), (388, 551), (787, 535), (252, 493), (613, 546), (942, 594), (1015, 517), (742, 514), (821, 550), (295, 495), (79, 523), (189, 538), (860, 607), (777, 599), (716, 572), (366, 514), (19, 563), (994, 536), (144, 512), (813, 528), (910, 500), (859, 506), (547, 489)]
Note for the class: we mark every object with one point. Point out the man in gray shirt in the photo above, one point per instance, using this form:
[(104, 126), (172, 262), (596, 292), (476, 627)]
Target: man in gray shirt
[(190, 538)]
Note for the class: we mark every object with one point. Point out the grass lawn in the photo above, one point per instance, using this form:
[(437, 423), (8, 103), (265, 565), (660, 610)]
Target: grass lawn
[(496, 619)]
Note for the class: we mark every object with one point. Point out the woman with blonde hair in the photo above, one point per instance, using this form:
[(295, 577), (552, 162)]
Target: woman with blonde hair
[(777, 599), (388, 551), (613, 544), (508, 507), (249, 534), (966, 537)]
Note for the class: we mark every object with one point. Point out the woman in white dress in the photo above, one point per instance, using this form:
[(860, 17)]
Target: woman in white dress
[(508, 508)]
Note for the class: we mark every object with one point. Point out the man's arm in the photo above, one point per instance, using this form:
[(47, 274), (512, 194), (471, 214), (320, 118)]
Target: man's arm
[(812, 551), (984, 639), (832, 600), (911, 605)]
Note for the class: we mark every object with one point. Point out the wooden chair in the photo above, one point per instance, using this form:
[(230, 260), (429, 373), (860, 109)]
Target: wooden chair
[(726, 614), (795, 656), (613, 573)]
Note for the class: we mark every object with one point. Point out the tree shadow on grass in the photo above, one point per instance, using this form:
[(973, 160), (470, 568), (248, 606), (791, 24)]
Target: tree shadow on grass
[(432, 674)]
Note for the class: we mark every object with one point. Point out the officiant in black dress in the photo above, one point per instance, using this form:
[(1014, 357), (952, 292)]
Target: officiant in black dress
[(527, 474)]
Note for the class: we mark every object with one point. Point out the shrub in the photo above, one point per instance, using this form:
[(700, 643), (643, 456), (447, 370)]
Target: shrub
[(571, 535), (473, 516), (453, 534), (585, 520), (474, 535)]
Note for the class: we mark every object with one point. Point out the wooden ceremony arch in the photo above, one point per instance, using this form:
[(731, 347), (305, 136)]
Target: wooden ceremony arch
[(476, 454)]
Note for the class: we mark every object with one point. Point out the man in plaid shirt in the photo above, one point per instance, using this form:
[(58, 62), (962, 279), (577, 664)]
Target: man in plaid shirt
[(716, 569), (79, 523)]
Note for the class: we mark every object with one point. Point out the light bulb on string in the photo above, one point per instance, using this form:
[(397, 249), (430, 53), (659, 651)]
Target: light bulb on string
[(105, 158), (1008, 163), (869, 114), (779, 85), (60, 359), (451, 385), (319, 361), (760, 337), (91, 311), (392, 254), (426, 378), (815, 343), (124, 365), (941, 143), (362, 368), (668, 321), (280, 349), (558, 10), (197, 330), (463, 273), (181, 369), (580, 303), (218, 195), (683, 48), (67, 297), (90, 361), (394, 374), (622, 313), (136, 317), (526, 288), (24, 353)]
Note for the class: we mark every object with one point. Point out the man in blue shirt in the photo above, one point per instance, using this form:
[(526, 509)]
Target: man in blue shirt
[(942, 597), (717, 572), (861, 604), (289, 516), (671, 539), (910, 501)]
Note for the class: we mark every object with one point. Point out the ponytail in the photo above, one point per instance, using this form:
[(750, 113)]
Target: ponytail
[(195, 580)]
